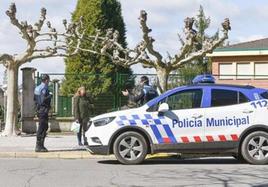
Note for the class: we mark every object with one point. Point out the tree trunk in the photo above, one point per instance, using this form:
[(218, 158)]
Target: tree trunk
[(12, 100), (162, 76)]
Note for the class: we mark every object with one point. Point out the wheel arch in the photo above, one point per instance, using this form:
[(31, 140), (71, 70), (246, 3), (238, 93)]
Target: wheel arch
[(249, 130), (134, 129)]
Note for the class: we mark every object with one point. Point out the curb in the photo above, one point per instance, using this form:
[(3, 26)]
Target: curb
[(53, 155), (161, 155), (70, 155)]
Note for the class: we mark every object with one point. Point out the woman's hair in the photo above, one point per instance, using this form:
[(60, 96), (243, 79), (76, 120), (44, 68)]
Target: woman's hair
[(78, 92)]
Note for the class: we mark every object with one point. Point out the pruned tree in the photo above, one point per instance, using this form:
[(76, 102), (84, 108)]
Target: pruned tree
[(42, 42), (84, 68), (201, 64), (149, 57)]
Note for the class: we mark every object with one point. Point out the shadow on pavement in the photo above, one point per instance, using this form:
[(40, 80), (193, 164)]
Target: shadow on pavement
[(34, 135), (67, 150), (161, 161)]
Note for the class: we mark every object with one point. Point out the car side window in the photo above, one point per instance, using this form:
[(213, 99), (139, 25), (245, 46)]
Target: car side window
[(186, 99), (264, 95), (243, 98), (222, 97)]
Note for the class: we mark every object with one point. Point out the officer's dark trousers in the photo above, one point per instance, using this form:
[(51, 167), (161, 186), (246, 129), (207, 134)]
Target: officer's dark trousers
[(83, 128), (43, 126)]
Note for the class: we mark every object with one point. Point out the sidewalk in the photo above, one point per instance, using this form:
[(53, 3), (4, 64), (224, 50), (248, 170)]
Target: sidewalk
[(59, 146)]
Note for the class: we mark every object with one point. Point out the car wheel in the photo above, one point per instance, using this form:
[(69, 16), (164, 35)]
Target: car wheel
[(130, 148), (255, 148)]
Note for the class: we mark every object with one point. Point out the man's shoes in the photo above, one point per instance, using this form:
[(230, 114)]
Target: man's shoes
[(80, 144), (42, 145), (39, 148), (44, 149), (85, 143)]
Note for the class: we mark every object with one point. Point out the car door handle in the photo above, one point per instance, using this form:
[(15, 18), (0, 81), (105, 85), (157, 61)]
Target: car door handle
[(247, 111), (196, 116)]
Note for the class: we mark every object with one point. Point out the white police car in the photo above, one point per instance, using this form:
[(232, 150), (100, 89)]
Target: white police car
[(199, 118)]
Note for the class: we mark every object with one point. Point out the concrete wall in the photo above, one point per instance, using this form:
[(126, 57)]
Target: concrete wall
[(57, 124)]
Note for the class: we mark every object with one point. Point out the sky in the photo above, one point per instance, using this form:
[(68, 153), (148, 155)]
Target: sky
[(248, 21)]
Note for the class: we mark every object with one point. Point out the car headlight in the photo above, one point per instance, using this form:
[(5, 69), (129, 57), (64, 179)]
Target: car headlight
[(103, 121)]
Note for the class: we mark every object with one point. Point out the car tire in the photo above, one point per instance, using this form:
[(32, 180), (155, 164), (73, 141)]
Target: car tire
[(254, 148), (130, 148)]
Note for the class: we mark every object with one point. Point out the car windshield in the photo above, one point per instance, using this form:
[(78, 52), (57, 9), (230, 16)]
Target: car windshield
[(184, 99), (163, 95)]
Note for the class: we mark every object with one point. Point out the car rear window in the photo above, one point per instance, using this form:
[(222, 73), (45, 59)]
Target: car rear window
[(222, 97), (265, 95)]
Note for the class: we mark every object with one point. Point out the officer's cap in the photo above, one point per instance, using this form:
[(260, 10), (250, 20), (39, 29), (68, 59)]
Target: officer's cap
[(145, 79), (44, 77)]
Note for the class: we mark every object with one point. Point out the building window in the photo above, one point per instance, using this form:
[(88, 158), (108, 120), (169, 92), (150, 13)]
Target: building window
[(226, 71), (261, 70), (244, 71)]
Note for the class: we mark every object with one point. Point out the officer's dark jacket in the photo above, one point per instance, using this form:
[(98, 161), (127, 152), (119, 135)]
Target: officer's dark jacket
[(83, 107), (145, 94)]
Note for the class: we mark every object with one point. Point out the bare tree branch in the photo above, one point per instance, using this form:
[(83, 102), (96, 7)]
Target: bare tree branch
[(111, 48), (207, 47), (181, 40), (74, 33), (5, 58), (126, 57), (149, 40), (39, 24), (190, 35), (23, 26)]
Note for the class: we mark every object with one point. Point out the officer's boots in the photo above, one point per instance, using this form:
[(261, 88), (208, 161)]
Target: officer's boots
[(40, 145)]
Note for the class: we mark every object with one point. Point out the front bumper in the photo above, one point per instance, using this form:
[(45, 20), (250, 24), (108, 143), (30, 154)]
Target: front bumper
[(99, 149)]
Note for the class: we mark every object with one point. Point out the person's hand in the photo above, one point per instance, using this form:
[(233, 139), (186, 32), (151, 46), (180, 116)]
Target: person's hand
[(125, 93), (50, 95), (77, 120)]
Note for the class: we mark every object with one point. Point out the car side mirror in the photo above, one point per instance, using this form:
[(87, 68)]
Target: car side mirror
[(163, 108)]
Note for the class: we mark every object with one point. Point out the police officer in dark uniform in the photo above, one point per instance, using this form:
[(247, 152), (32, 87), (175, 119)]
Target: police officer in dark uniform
[(42, 99), (145, 93)]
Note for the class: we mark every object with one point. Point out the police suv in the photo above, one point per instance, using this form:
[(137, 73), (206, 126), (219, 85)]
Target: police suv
[(199, 118)]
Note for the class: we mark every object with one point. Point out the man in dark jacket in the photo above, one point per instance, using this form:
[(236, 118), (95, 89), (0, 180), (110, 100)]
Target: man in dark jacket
[(146, 92), (42, 99)]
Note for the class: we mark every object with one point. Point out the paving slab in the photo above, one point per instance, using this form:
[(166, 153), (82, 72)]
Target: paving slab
[(59, 146)]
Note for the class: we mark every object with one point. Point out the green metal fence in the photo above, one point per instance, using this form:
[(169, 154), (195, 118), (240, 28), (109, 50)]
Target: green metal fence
[(62, 105)]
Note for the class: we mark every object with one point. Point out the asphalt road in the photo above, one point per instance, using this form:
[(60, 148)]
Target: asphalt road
[(92, 172)]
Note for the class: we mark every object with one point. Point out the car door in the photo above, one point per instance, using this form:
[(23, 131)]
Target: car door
[(230, 113), (181, 126)]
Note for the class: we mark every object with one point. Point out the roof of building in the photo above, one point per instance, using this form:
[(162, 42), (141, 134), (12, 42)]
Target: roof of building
[(261, 44)]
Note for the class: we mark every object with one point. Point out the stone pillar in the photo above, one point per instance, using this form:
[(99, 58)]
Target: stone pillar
[(27, 100), (55, 94)]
